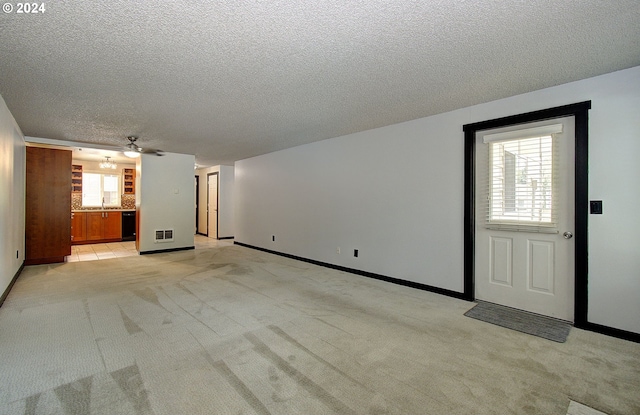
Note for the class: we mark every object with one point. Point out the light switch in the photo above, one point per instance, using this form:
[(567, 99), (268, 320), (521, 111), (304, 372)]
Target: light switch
[(595, 207)]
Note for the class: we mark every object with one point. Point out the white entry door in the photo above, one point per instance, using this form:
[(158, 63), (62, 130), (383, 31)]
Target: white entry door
[(212, 206), (525, 211)]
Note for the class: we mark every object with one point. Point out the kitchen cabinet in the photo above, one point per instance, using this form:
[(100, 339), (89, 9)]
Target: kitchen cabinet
[(47, 205), (78, 227), (95, 225), (112, 225), (99, 226)]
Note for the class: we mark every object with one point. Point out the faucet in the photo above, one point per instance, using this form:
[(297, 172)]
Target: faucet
[(103, 203)]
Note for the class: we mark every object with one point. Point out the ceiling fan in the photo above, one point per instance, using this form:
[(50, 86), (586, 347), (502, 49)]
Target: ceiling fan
[(132, 150)]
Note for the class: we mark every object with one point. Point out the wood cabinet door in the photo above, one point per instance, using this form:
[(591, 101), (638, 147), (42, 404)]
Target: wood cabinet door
[(78, 227), (112, 225), (95, 225)]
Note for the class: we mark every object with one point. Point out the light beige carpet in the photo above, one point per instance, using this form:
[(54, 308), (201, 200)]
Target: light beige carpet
[(236, 331)]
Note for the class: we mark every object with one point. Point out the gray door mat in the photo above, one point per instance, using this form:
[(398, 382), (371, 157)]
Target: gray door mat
[(523, 321)]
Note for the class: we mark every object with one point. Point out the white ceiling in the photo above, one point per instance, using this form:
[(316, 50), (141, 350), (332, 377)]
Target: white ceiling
[(227, 80)]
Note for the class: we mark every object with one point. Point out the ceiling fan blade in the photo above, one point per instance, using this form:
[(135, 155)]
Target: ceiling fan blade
[(133, 147), (152, 151)]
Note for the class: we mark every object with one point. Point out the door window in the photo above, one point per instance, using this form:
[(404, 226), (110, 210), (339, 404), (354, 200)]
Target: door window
[(522, 182)]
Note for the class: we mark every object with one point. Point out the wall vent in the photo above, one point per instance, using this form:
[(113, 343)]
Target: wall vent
[(164, 235)]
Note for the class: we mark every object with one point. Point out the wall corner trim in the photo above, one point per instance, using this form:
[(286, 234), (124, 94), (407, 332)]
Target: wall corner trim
[(13, 281)]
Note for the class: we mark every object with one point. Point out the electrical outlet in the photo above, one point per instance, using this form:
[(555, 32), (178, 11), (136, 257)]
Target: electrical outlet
[(355, 253), (273, 238), (338, 251)]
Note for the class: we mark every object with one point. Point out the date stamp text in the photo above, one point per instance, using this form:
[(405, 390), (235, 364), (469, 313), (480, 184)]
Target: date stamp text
[(23, 8)]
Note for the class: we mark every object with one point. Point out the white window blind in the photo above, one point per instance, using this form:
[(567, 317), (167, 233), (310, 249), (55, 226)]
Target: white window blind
[(92, 190), (99, 188), (522, 182), (111, 189)]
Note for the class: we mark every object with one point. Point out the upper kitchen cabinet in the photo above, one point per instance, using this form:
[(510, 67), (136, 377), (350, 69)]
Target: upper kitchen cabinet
[(48, 205)]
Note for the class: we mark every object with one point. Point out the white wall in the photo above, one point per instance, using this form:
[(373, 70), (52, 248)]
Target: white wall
[(614, 178), (164, 198), (226, 208), (12, 196), (396, 194), (225, 200)]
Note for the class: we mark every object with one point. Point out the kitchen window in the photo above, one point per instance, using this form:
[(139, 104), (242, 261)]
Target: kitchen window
[(100, 190)]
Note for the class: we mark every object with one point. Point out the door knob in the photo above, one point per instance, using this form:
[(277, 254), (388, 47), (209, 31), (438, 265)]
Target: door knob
[(567, 235)]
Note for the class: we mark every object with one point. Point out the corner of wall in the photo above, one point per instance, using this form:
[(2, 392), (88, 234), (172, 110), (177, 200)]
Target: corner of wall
[(166, 201), (12, 189)]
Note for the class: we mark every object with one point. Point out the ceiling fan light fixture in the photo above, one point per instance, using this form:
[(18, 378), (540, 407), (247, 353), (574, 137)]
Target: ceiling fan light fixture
[(132, 150)]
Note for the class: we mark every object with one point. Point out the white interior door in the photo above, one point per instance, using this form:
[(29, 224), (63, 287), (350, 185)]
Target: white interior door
[(212, 206), (525, 217)]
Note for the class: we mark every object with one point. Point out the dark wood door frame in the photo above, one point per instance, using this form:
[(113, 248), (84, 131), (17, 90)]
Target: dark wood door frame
[(581, 113)]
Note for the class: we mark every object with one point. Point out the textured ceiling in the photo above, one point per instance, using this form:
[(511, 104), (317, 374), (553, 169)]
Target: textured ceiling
[(227, 80)]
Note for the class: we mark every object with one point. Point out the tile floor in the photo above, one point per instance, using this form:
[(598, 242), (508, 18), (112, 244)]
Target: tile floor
[(94, 252)]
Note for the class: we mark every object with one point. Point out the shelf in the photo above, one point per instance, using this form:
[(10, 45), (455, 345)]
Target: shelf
[(76, 178), (129, 181)]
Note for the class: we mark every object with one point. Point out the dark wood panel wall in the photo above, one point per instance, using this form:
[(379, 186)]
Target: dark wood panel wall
[(48, 205)]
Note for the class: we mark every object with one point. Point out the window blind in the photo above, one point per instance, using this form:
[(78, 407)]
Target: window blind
[(522, 180)]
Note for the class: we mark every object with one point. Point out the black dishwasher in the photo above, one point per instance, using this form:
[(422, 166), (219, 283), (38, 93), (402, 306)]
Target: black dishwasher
[(128, 226)]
